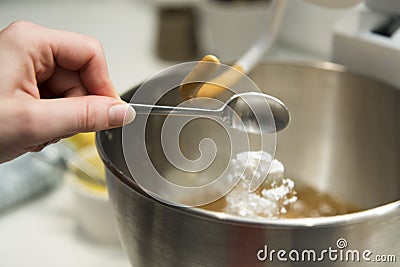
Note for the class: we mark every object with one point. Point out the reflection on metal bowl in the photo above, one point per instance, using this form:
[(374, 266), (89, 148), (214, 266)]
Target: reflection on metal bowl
[(344, 138)]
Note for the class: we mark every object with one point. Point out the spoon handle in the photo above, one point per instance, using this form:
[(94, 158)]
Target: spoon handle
[(178, 111)]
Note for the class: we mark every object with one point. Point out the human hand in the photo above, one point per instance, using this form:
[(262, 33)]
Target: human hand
[(53, 84)]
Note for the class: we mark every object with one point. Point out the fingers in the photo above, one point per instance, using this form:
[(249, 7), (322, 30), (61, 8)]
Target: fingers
[(60, 117), (65, 83), (30, 124), (72, 51), (69, 65)]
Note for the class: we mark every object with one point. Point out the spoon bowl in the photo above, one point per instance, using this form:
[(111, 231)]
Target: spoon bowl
[(250, 112)]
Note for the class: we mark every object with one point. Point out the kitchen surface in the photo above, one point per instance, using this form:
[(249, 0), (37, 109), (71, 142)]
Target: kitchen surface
[(44, 231)]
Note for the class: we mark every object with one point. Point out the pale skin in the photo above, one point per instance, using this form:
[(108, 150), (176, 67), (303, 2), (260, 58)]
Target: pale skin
[(53, 84)]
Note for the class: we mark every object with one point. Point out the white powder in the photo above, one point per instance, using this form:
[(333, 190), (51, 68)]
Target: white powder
[(276, 192)]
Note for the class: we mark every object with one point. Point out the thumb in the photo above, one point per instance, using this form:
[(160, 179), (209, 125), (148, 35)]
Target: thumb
[(72, 115)]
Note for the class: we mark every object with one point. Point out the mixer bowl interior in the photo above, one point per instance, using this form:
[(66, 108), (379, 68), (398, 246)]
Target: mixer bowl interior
[(343, 138)]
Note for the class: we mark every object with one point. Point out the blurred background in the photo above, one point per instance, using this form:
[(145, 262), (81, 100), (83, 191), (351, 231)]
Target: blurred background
[(49, 217)]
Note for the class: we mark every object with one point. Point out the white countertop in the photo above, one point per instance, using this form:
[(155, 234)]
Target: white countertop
[(45, 232)]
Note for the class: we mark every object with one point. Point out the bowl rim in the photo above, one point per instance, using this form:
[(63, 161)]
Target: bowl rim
[(380, 211)]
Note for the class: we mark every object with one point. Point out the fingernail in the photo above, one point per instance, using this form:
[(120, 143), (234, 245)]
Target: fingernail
[(121, 114)]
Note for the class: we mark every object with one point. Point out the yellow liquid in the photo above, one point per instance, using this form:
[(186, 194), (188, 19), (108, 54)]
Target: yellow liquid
[(310, 204)]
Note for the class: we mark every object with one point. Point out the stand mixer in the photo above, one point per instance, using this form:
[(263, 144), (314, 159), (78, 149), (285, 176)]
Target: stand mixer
[(366, 41)]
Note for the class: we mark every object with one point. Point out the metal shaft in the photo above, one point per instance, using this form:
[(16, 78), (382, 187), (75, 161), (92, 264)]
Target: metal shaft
[(179, 111)]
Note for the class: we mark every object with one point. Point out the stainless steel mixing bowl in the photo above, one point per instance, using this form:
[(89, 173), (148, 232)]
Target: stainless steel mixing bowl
[(344, 138)]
